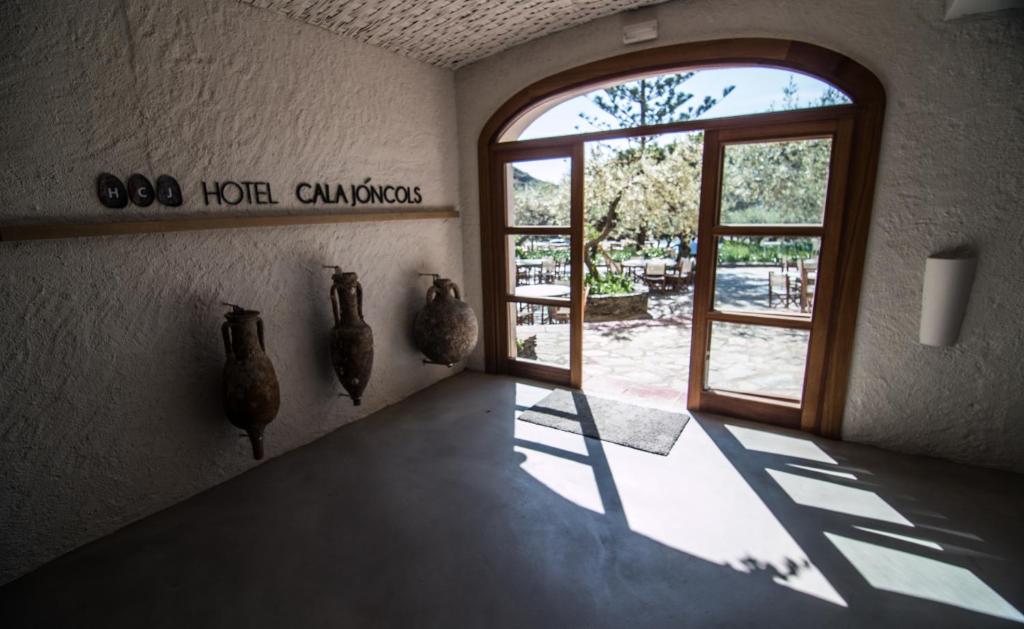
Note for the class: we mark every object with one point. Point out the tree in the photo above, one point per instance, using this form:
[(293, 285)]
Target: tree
[(538, 202), (648, 185), (650, 101), (779, 182), (656, 190)]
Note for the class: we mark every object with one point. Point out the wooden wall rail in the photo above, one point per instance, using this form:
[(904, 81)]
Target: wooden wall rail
[(86, 230)]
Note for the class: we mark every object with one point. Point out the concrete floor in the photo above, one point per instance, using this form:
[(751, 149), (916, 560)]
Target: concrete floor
[(444, 511)]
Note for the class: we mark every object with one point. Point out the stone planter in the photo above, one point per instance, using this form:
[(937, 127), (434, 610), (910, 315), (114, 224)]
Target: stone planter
[(617, 307)]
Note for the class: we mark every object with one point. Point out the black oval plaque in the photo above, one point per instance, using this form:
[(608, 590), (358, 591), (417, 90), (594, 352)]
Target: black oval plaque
[(140, 191), (111, 191), (168, 191)]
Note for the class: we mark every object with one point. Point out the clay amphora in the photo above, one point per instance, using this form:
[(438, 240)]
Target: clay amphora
[(445, 329), (351, 338), (251, 394)]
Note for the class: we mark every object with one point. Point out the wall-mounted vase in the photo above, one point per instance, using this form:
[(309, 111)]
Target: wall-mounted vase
[(445, 329), (351, 337), (251, 393)]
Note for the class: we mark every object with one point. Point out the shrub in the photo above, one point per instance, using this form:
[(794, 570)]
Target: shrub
[(609, 284), (538, 253)]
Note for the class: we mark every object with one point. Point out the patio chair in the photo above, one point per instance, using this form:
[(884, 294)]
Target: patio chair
[(654, 276), (560, 314), (682, 277), (524, 314), (780, 288), (548, 271), (522, 275), (808, 277)]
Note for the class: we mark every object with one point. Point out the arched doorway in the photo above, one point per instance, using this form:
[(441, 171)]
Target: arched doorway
[(852, 133)]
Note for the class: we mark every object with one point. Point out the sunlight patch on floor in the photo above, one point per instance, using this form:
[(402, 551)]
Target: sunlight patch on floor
[(527, 395), (763, 441), (905, 538), (692, 500), (571, 480), (821, 494), (818, 470), (696, 502), (905, 573)]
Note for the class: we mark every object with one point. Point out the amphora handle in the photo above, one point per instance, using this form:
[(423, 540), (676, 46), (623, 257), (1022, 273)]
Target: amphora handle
[(335, 306), (225, 332)]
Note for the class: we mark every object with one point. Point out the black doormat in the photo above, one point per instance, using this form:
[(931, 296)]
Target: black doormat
[(647, 429)]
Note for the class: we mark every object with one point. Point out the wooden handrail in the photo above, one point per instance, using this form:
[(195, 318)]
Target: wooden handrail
[(45, 231)]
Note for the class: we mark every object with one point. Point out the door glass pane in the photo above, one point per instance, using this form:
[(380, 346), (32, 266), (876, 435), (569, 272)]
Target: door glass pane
[(537, 192), (539, 334), (766, 274), (759, 360), (778, 182), (538, 266)]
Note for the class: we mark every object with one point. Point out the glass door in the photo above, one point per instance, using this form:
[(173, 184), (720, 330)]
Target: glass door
[(767, 251), (541, 321)]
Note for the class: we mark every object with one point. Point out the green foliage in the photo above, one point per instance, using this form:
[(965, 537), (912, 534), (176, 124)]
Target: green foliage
[(609, 283), (539, 253), (658, 252), (621, 255), (539, 202), (527, 348), (753, 251), (775, 182)]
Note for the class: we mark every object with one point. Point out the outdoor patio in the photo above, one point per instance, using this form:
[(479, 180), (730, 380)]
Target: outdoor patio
[(648, 359)]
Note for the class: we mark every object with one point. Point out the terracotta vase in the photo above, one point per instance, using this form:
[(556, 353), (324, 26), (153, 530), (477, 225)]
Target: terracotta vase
[(351, 338), (251, 393), (445, 329)]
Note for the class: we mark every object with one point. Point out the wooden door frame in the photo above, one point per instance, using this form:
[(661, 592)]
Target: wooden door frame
[(791, 413), (571, 376), (867, 113)]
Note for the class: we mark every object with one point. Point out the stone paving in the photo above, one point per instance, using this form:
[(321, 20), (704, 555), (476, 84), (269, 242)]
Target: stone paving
[(650, 358)]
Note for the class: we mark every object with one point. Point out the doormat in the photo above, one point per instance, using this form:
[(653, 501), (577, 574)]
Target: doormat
[(638, 427)]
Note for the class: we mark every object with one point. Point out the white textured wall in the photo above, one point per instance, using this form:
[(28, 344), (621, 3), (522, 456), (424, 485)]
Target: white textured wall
[(950, 173), (109, 381)]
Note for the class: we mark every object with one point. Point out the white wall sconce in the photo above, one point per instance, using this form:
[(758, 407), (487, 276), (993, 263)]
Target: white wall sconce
[(947, 286)]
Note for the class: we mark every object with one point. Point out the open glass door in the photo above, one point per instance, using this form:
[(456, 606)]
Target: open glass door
[(759, 329), (541, 323)]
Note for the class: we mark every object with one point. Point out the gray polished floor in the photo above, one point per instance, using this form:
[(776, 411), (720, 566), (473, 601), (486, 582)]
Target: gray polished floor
[(444, 511)]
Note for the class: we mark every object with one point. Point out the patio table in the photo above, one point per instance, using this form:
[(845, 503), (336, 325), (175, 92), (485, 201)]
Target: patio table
[(546, 291)]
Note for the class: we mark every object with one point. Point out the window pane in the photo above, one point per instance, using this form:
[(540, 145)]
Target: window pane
[(538, 192), (539, 266), (757, 359), (766, 274), (775, 182), (539, 334)]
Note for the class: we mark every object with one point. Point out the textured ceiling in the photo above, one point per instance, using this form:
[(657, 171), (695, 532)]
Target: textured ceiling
[(447, 33)]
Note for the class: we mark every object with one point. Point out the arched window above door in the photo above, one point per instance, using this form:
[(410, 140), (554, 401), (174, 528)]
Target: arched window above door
[(674, 97)]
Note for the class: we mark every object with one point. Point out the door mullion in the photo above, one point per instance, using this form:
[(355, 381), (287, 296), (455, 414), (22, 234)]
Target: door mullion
[(576, 267), (711, 172)]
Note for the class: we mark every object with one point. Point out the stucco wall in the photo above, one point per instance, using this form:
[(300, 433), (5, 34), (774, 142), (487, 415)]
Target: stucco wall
[(949, 174), (109, 381)]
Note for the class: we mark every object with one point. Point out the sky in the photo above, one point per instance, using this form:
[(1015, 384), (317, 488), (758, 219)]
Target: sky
[(757, 90)]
